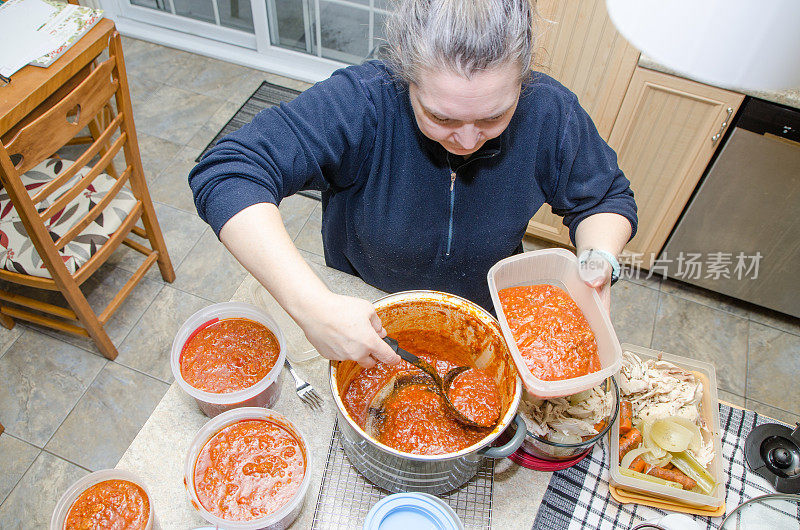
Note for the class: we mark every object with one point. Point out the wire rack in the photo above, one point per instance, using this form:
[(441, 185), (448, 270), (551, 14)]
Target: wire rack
[(345, 497)]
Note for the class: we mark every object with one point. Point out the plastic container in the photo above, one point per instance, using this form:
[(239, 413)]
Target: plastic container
[(73, 492), (404, 511), (278, 519), (709, 410), (557, 267), (557, 452), (262, 394), (261, 298)]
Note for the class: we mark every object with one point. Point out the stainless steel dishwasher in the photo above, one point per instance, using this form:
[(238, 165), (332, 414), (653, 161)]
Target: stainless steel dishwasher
[(742, 226)]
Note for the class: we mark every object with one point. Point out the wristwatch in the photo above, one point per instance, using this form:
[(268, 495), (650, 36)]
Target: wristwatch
[(586, 255)]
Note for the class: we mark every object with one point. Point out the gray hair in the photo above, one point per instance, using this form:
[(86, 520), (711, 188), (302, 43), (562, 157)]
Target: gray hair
[(462, 36)]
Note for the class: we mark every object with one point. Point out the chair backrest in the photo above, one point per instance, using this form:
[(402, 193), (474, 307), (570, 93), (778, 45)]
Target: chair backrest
[(89, 103)]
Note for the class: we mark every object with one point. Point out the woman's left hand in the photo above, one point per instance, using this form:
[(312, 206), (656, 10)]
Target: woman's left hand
[(596, 273)]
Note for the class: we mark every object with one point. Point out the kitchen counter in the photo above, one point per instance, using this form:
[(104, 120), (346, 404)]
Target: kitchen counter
[(789, 97), (157, 453)]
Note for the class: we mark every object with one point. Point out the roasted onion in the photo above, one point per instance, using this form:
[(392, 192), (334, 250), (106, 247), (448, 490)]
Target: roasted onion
[(670, 435)]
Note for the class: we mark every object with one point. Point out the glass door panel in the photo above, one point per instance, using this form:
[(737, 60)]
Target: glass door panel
[(236, 14), (344, 32), (228, 21), (161, 5), (196, 9), (290, 25)]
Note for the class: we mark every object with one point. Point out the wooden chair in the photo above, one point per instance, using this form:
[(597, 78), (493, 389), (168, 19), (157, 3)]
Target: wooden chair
[(96, 125), (85, 101)]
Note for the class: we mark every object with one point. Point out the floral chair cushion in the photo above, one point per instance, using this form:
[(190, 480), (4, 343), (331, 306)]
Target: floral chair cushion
[(18, 254)]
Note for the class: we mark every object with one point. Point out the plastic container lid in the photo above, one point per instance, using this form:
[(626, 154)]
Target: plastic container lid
[(557, 267), (420, 511), (709, 410), (283, 516), (79, 486), (261, 394)]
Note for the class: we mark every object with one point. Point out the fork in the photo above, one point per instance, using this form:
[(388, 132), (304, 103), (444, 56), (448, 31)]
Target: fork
[(304, 390)]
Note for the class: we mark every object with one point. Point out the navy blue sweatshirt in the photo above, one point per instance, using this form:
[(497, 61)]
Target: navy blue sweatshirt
[(391, 213)]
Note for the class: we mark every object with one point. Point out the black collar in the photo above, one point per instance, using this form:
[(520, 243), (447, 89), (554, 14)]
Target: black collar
[(442, 157)]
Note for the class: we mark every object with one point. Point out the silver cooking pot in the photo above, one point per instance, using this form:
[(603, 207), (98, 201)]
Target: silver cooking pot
[(468, 324)]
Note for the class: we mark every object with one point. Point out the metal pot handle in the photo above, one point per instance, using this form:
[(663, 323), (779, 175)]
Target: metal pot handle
[(510, 446)]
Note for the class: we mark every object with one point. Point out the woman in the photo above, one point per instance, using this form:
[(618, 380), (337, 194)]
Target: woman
[(432, 161)]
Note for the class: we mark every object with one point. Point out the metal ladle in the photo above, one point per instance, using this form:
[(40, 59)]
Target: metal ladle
[(441, 385)]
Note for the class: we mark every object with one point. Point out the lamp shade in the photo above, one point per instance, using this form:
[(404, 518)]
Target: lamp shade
[(733, 43)]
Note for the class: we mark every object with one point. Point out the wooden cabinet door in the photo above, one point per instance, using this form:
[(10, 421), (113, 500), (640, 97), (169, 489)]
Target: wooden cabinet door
[(665, 134), (578, 46)]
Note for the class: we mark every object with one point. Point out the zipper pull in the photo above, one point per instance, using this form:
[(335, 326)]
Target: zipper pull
[(452, 180)]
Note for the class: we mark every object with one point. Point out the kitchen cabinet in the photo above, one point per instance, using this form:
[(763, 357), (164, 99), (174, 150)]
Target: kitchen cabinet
[(665, 134), (664, 128), (578, 46)]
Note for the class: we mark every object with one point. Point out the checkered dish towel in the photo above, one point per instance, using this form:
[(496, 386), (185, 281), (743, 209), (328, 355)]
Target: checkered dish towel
[(578, 497)]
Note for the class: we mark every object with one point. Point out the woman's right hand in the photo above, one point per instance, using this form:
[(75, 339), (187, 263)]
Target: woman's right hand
[(346, 328), (339, 327)]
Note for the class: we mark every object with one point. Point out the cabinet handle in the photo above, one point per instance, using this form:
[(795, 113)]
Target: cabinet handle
[(716, 137)]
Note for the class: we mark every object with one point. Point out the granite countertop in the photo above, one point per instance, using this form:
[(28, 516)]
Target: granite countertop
[(789, 97), (157, 453)]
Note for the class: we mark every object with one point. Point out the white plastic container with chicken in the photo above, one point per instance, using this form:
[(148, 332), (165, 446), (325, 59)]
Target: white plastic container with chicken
[(666, 440)]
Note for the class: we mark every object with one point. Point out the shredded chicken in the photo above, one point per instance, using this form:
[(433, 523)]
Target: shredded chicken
[(572, 416), (659, 389)]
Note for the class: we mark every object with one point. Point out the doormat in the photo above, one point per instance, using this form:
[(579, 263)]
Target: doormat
[(267, 95), (345, 497)]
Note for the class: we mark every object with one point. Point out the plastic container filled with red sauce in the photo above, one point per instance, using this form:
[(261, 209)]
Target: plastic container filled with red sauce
[(110, 498), (541, 271), (248, 468), (229, 355)]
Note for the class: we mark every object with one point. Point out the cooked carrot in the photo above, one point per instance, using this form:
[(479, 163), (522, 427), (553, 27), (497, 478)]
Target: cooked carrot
[(600, 425), (637, 464), (674, 475), (625, 417), (629, 441)]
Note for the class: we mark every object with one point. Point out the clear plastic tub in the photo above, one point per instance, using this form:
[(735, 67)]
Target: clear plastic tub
[(73, 492), (709, 410), (278, 519), (557, 267), (543, 448), (262, 394)]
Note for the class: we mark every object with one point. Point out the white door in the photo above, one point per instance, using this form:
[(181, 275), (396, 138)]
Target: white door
[(304, 38)]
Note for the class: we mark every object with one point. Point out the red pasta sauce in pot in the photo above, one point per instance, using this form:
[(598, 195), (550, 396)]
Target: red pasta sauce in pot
[(413, 418), (550, 331), (474, 394)]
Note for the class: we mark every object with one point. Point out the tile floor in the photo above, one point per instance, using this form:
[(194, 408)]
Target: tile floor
[(68, 411)]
